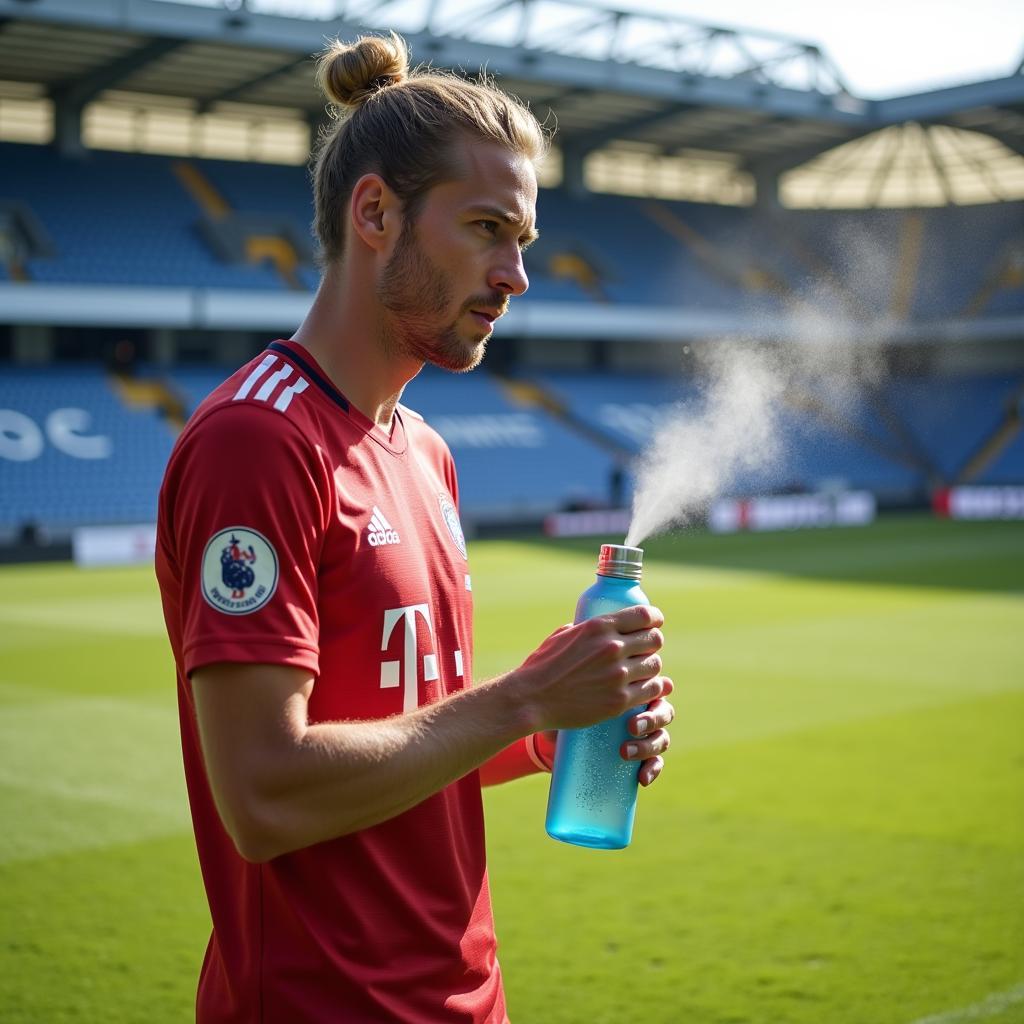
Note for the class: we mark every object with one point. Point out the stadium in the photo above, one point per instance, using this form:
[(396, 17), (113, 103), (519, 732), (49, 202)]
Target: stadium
[(839, 834)]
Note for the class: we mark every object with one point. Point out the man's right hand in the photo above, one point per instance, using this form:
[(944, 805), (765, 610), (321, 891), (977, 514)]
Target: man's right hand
[(592, 671)]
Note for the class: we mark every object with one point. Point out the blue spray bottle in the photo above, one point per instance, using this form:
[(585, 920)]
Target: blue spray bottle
[(592, 800)]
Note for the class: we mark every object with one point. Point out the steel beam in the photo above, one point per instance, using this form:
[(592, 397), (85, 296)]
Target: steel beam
[(168, 20), (71, 96), (587, 142), (76, 92), (933, 106), (786, 161), (237, 91)]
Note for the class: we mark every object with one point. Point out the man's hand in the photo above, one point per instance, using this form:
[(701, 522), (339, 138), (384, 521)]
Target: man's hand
[(650, 727), (587, 673), (653, 738)]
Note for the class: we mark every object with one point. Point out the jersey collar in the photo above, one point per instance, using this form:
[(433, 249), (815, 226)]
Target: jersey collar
[(296, 354)]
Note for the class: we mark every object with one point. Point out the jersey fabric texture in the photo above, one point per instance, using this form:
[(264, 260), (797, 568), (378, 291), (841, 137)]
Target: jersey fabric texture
[(293, 531)]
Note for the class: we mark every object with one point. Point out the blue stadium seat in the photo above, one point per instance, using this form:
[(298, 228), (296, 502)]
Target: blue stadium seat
[(194, 383), (128, 220), (101, 463), (952, 416), (1008, 468), (510, 460), (631, 407)]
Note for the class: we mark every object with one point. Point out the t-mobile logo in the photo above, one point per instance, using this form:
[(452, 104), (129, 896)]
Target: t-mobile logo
[(405, 673)]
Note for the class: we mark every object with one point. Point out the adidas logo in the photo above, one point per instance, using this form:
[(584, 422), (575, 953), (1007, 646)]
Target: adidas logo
[(381, 531)]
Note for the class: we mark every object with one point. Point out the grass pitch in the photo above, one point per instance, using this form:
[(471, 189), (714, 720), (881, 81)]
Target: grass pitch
[(838, 837)]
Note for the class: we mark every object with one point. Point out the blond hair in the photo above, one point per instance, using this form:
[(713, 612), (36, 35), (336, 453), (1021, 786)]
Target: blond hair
[(403, 125)]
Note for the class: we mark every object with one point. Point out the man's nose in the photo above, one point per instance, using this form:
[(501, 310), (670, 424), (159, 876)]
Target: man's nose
[(509, 276)]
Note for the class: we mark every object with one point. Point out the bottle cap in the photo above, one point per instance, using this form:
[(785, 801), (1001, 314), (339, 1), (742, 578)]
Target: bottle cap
[(618, 560)]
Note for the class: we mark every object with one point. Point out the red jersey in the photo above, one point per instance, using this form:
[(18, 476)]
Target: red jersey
[(292, 531)]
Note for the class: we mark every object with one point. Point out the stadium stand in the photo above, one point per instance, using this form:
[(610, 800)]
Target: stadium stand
[(1008, 468), (103, 463), (137, 226), (512, 461), (902, 437), (953, 416), (194, 382), (75, 452), (141, 226), (231, 237)]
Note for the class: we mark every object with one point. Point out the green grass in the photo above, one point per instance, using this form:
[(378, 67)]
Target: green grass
[(838, 837)]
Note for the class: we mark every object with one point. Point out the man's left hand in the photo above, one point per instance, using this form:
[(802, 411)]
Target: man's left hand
[(650, 728)]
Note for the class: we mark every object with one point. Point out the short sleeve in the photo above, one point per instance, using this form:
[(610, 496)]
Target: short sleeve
[(248, 501)]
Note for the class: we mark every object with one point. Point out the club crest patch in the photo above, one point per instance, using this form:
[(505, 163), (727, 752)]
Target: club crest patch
[(451, 520), (239, 571)]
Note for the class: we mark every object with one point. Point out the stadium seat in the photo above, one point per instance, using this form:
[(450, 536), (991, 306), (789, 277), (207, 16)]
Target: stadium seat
[(81, 456), (140, 227)]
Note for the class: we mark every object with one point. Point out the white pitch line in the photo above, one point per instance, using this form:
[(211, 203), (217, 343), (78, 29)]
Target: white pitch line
[(991, 1006)]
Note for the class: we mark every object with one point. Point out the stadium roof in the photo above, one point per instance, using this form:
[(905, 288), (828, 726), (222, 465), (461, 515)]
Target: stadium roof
[(654, 81)]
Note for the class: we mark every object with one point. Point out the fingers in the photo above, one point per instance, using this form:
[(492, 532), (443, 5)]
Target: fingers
[(652, 745), (653, 738), (643, 641), (647, 687), (650, 770), (658, 715), (641, 650), (640, 616)]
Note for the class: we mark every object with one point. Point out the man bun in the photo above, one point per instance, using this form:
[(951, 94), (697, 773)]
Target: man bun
[(349, 73)]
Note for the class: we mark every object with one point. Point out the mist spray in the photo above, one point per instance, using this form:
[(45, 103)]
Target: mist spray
[(592, 799)]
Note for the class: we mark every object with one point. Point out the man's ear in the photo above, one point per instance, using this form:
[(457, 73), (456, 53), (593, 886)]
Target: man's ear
[(375, 212)]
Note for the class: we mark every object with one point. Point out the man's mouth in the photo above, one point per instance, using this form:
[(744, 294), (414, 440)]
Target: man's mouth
[(490, 315)]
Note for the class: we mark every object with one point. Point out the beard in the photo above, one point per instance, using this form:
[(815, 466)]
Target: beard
[(418, 294)]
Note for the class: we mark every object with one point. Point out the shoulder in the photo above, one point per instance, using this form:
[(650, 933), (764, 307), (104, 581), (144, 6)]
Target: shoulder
[(267, 396), (239, 445), (268, 382), (273, 379), (252, 424)]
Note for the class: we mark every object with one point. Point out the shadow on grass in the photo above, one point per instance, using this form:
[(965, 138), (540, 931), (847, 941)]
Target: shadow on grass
[(898, 550)]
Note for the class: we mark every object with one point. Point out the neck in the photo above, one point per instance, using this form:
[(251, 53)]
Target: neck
[(344, 332)]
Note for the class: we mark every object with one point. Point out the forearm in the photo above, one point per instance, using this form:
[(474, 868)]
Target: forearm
[(337, 778)]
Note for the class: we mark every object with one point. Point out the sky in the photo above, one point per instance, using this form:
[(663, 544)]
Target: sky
[(881, 47)]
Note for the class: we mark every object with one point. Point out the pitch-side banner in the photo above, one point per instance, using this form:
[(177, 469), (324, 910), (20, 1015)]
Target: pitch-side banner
[(113, 545), (793, 512), (980, 503), (595, 523)]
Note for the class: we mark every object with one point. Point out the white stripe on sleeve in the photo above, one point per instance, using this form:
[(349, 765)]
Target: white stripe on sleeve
[(287, 394), (250, 382), (267, 387)]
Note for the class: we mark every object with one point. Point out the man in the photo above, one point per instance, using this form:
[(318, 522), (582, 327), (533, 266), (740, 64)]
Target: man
[(318, 598)]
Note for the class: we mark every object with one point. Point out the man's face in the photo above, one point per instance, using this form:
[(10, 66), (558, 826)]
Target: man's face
[(456, 265)]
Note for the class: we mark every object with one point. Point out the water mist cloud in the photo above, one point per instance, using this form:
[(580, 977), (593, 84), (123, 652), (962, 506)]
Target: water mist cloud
[(827, 356), (698, 452)]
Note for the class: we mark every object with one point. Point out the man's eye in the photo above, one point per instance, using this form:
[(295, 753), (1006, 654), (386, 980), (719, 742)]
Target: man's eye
[(490, 226)]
